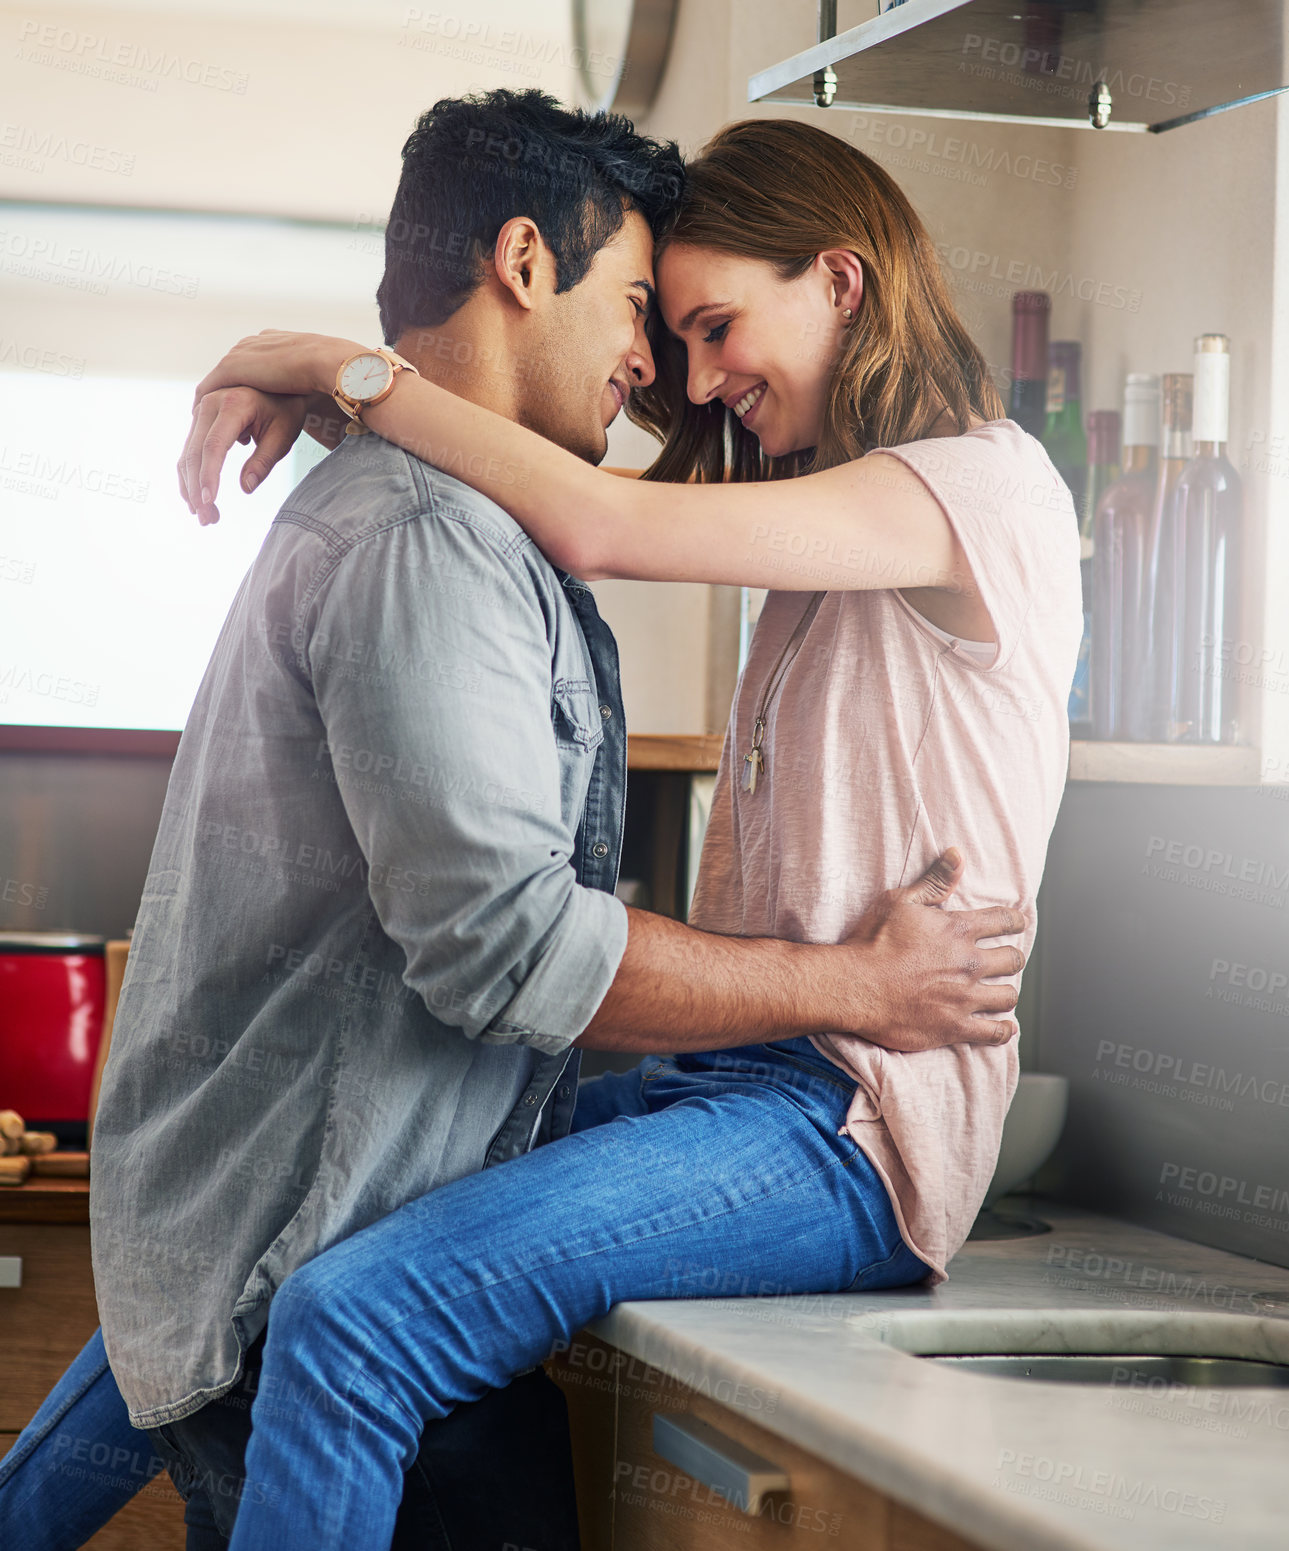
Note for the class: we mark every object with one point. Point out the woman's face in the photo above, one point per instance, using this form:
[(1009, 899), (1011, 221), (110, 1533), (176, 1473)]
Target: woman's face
[(764, 346)]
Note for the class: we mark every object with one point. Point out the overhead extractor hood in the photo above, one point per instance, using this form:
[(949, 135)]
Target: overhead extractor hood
[(1145, 65)]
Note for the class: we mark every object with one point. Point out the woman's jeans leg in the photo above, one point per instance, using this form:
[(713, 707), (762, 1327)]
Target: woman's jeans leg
[(730, 1175), (76, 1463)]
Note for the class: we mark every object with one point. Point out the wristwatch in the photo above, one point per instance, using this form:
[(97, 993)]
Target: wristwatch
[(364, 379)]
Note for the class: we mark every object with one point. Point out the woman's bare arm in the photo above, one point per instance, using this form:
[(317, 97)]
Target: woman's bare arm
[(864, 525)]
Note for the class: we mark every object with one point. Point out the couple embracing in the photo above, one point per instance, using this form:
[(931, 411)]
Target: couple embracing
[(326, 1295)]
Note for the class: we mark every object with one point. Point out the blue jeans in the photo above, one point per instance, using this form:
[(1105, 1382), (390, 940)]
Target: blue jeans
[(691, 1176), (495, 1471), (76, 1462)]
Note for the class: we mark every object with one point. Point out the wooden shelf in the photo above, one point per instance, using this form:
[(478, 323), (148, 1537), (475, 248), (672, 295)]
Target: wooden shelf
[(46, 1200), (690, 752), (1165, 764)]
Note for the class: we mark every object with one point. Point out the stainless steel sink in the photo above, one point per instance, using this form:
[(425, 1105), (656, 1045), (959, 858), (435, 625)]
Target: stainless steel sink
[(1155, 1374), (1155, 1352)]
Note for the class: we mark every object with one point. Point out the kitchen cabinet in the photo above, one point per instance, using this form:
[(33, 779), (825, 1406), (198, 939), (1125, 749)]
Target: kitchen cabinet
[(1168, 62), (888, 1449), (632, 1499), (44, 1322)]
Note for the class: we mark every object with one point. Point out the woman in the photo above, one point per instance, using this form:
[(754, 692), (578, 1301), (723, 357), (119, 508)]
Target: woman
[(906, 684)]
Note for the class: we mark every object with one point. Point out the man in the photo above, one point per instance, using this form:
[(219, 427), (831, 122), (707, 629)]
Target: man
[(379, 923)]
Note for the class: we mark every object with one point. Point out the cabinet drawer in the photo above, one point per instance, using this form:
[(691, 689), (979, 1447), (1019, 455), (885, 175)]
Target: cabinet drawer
[(658, 1507), (46, 1321), (43, 1324)]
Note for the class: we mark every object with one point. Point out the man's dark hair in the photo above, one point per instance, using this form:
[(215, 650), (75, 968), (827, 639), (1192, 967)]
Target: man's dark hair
[(474, 163)]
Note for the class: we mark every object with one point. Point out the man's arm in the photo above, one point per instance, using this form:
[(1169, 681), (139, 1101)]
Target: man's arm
[(911, 977)]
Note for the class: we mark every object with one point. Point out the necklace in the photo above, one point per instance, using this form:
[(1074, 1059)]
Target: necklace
[(754, 760)]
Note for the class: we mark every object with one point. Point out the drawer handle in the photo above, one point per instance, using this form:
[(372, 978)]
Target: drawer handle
[(718, 1462), (10, 1270)]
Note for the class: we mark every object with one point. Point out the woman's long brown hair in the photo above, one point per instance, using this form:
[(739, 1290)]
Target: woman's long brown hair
[(782, 192)]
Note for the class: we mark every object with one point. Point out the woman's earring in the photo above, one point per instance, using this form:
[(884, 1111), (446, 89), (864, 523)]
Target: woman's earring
[(847, 313)]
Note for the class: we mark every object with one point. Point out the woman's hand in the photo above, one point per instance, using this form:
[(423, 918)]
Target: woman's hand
[(277, 361), (272, 421)]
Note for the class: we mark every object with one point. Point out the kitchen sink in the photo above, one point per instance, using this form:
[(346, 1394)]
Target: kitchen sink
[(1159, 1352), (1156, 1375)]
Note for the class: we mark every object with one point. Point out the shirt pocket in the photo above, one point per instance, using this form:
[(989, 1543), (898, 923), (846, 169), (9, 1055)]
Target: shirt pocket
[(575, 712)]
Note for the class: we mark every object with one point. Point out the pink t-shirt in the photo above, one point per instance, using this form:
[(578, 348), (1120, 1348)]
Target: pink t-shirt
[(886, 743)]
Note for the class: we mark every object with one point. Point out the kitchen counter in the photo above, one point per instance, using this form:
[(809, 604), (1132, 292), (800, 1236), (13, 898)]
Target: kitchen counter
[(1015, 1464)]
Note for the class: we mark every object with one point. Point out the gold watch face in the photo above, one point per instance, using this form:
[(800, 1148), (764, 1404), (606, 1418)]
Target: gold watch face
[(364, 376)]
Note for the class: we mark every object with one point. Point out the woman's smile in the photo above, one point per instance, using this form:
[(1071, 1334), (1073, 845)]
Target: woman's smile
[(745, 407)]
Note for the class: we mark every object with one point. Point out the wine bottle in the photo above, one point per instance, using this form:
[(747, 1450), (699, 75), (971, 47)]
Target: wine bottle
[(1103, 470), (1067, 446), (1104, 426), (1207, 522), (1063, 435), (1149, 668), (1120, 529), (1031, 311)]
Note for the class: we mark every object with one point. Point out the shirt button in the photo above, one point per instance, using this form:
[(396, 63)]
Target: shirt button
[(606, 711), (599, 849), (563, 1092), (530, 1098)]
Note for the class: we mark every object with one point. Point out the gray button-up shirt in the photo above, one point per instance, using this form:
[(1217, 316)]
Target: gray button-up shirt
[(378, 911)]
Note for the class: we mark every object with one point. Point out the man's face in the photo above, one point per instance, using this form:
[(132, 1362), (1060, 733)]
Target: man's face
[(590, 348)]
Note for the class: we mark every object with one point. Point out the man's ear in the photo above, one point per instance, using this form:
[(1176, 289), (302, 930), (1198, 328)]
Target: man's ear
[(522, 260)]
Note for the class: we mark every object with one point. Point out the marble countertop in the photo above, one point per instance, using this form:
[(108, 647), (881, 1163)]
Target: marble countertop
[(1015, 1464)]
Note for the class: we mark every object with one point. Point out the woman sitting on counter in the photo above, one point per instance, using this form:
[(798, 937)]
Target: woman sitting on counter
[(831, 433)]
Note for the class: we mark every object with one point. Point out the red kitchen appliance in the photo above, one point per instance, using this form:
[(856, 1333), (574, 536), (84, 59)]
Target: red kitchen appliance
[(52, 994)]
